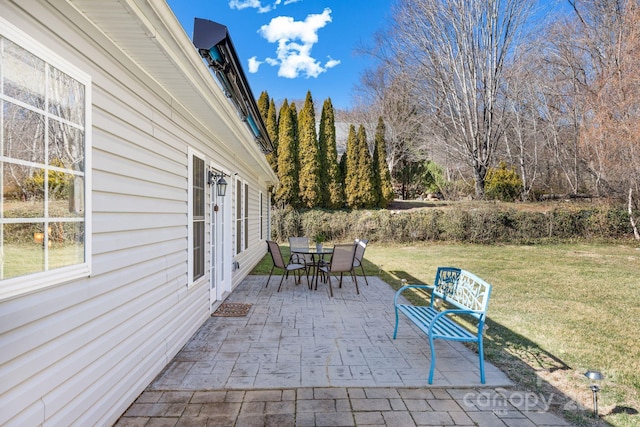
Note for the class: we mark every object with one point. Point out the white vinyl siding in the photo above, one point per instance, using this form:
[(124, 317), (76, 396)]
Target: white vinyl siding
[(81, 351)]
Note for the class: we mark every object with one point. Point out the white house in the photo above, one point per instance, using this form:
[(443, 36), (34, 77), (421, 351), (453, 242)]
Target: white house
[(115, 131)]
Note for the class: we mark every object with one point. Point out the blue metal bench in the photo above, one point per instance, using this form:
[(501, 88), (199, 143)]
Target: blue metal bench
[(467, 294)]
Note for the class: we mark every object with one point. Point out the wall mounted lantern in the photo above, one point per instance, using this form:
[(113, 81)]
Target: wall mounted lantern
[(219, 181)]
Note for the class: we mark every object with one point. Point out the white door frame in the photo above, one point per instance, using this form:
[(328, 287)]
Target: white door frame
[(219, 240)]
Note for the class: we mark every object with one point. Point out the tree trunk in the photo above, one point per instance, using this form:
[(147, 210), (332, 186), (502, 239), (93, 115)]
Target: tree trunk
[(479, 175), (631, 219)]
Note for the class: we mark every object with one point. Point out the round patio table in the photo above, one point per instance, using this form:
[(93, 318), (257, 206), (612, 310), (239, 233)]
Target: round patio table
[(317, 259)]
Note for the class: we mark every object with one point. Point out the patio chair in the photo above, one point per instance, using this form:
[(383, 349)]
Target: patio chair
[(361, 245), (278, 262), (341, 262), (300, 242)]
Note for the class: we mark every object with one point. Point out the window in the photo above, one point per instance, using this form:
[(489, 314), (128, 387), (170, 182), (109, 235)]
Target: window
[(45, 163), (242, 216), (196, 217), (261, 217), (238, 216), (246, 216), (268, 215)]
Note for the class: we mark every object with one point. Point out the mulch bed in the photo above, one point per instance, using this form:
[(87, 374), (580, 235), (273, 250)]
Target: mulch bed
[(232, 309)]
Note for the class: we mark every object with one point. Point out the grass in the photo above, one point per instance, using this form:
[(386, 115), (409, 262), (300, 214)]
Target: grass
[(556, 311)]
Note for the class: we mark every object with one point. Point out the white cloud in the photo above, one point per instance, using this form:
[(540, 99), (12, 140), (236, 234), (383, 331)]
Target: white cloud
[(295, 40), (332, 63), (254, 64), (257, 4)]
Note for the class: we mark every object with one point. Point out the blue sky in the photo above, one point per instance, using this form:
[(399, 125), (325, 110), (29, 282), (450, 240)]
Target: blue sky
[(288, 47)]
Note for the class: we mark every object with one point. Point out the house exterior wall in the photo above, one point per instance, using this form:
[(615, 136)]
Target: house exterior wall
[(79, 352)]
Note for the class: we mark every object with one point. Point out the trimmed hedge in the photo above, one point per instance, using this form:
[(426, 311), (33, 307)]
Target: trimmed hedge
[(486, 225)]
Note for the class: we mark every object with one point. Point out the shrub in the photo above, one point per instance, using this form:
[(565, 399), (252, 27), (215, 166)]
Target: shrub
[(456, 226), (503, 184), (58, 183), (485, 225), (531, 226), (285, 223)]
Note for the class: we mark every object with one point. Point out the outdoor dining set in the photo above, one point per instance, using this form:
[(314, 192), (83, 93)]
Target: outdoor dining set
[(343, 258)]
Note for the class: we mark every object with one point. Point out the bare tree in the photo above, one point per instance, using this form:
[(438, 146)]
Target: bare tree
[(389, 98), (455, 52), (610, 35), (382, 93), (522, 138)]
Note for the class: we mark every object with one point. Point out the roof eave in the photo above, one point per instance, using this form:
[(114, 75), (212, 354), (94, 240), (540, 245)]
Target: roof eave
[(213, 42)]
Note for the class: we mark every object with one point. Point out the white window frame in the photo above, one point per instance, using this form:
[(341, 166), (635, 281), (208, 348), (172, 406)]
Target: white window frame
[(15, 286), (245, 217), (238, 244), (191, 280), (269, 195), (261, 214)]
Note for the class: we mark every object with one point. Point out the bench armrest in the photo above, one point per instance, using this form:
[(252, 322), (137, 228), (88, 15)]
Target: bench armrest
[(404, 288)]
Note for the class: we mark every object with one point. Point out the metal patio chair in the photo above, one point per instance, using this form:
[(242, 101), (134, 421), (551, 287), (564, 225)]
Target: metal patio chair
[(341, 262), (361, 245), (300, 242), (278, 262)]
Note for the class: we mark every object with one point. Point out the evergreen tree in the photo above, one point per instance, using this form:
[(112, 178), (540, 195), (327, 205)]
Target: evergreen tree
[(351, 184), (263, 105), (342, 167), (330, 176), (323, 154), (382, 176), (309, 175), (272, 129), (366, 191), (294, 117), (287, 192)]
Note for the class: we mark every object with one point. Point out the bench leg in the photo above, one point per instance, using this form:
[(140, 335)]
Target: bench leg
[(481, 356), (432, 368), (395, 330)]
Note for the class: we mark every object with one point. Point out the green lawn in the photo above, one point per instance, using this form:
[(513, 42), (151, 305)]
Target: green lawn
[(556, 311)]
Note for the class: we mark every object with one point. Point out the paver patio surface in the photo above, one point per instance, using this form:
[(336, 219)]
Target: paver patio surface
[(302, 358)]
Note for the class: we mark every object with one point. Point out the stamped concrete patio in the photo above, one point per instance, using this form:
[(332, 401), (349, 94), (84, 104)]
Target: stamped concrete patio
[(302, 358)]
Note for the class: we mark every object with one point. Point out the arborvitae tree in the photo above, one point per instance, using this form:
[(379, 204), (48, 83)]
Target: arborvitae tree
[(330, 177), (287, 192), (263, 105), (342, 167), (351, 184), (294, 117), (272, 129), (310, 195), (366, 192), (323, 155), (381, 174)]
